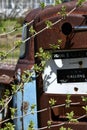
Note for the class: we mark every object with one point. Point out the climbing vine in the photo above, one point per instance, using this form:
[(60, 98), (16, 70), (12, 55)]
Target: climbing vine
[(27, 76)]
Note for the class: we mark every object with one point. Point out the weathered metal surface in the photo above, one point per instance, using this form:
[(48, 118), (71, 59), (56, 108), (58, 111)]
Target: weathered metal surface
[(75, 18), (34, 90), (75, 40), (5, 79), (59, 115), (30, 96), (17, 102)]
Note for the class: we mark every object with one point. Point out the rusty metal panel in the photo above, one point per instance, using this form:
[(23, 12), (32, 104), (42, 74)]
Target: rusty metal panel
[(75, 40), (56, 33), (5, 79)]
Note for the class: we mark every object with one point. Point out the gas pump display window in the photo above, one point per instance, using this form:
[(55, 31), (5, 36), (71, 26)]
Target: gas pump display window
[(66, 72), (71, 75), (69, 54)]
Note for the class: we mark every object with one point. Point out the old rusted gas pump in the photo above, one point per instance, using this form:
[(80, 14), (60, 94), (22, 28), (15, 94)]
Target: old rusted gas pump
[(65, 73)]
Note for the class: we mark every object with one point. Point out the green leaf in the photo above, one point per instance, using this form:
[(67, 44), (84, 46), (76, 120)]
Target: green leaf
[(2, 55), (7, 93), (2, 102), (84, 99), (13, 110), (9, 126), (56, 46), (68, 101), (49, 124), (18, 43), (48, 24), (85, 108), (42, 5), (32, 108), (62, 128), (70, 117), (63, 12), (32, 31), (31, 125), (14, 88), (80, 2), (58, 2), (52, 102)]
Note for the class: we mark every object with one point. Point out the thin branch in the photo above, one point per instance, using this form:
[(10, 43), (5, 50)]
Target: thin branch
[(10, 98), (16, 29), (81, 117)]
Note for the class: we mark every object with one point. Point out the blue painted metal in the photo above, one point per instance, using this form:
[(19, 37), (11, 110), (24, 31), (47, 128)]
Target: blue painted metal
[(23, 102), (17, 102), (1, 91), (31, 98)]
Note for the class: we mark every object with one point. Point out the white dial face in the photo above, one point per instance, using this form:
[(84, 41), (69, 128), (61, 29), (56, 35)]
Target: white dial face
[(66, 75)]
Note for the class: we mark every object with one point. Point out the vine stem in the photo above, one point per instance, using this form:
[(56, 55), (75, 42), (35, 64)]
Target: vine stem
[(45, 109), (14, 30), (81, 117), (10, 98)]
